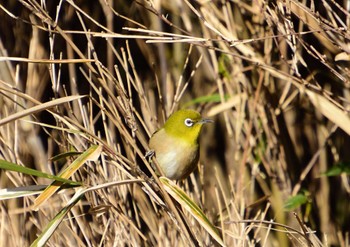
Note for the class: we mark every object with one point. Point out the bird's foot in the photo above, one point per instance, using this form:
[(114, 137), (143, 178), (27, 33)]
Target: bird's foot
[(149, 155)]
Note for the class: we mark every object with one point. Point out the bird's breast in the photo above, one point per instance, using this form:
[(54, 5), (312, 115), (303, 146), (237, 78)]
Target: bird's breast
[(176, 157)]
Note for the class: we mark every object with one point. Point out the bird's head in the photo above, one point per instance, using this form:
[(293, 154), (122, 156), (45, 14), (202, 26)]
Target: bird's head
[(185, 124)]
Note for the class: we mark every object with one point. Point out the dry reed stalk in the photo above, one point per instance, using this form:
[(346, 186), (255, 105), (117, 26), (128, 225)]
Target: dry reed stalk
[(275, 79)]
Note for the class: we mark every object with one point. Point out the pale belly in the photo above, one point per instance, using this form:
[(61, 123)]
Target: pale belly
[(176, 157), (178, 164)]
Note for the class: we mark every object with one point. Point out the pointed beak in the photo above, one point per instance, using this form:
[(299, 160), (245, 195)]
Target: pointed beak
[(205, 120)]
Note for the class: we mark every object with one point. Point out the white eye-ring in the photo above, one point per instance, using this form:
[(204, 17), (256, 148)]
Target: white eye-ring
[(189, 122)]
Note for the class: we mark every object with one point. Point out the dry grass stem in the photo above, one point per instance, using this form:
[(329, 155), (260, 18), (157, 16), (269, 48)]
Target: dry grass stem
[(273, 75)]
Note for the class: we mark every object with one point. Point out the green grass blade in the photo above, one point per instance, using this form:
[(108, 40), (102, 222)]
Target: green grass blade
[(5, 165), (338, 169), (214, 98), (64, 155), (56, 221), (181, 197), (295, 202), (91, 154)]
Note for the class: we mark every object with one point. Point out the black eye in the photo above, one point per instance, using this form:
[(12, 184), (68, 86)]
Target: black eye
[(189, 122)]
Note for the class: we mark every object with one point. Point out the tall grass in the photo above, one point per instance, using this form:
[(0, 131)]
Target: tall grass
[(273, 75)]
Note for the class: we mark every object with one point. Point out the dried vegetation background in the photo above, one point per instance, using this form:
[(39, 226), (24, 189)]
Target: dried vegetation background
[(272, 74)]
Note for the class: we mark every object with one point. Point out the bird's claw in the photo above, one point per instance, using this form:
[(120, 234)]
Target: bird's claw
[(149, 155)]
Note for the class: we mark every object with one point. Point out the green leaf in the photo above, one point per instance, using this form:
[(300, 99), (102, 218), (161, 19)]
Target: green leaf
[(338, 169), (295, 202), (89, 155), (225, 65), (203, 99), (56, 221), (51, 227), (5, 165), (214, 98), (184, 200), (64, 155)]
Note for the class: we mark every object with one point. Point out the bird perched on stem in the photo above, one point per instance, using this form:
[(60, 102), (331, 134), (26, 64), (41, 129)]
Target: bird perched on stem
[(176, 145)]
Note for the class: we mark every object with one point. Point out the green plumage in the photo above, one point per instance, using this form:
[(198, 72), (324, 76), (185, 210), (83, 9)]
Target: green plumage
[(176, 143)]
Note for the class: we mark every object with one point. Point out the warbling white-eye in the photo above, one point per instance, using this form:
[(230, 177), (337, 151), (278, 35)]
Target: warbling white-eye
[(176, 145)]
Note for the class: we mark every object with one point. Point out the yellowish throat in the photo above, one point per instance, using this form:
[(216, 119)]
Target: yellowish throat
[(176, 145)]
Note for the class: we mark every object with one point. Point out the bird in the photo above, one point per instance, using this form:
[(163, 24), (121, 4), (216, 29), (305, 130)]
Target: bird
[(176, 145)]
